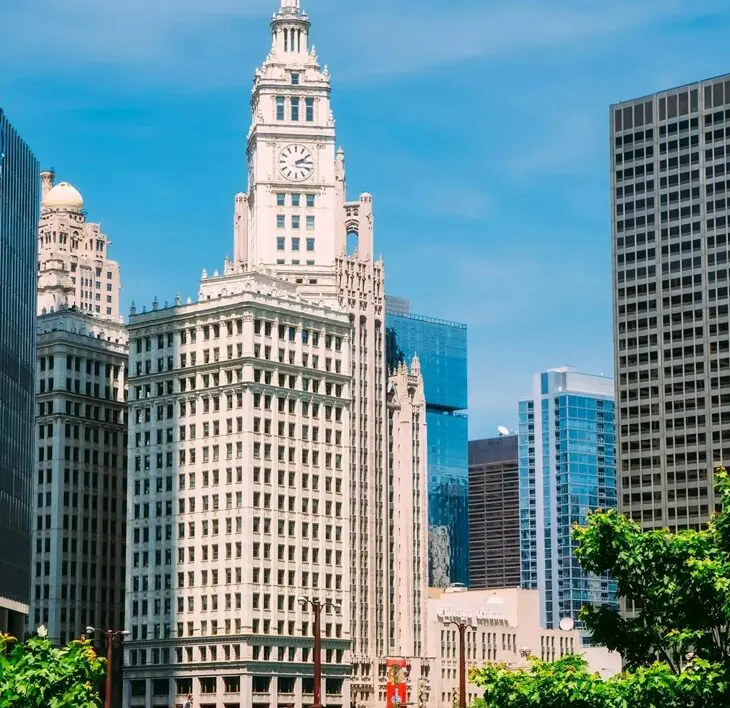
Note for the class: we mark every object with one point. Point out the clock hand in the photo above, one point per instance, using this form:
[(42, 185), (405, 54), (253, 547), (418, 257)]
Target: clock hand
[(304, 160)]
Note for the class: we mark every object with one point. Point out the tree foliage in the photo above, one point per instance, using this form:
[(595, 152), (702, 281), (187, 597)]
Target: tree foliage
[(675, 642), (679, 585), (567, 683), (34, 674)]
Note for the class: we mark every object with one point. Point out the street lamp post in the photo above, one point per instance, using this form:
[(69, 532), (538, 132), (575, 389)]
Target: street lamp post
[(462, 627), (317, 607), (111, 635)]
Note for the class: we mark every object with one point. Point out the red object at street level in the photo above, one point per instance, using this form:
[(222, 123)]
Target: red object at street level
[(397, 687)]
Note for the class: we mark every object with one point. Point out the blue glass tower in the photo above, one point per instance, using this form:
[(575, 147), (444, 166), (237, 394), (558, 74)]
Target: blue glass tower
[(567, 467), (441, 348), (19, 209)]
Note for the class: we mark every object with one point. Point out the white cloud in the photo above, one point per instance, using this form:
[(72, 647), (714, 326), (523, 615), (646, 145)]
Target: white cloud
[(193, 44)]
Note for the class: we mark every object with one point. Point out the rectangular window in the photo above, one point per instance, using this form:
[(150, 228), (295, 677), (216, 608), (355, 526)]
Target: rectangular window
[(294, 108), (310, 201), (310, 244), (309, 109), (280, 199), (280, 221), (279, 108), (295, 79), (280, 243), (310, 223), (295, 244), (295, 222), (296, 199)]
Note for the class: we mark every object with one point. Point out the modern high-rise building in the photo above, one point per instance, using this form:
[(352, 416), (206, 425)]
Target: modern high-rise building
[(494, 517), (81, 424), (567, 467), (442, 349), (669, 173), (273, 461), (19, 192)]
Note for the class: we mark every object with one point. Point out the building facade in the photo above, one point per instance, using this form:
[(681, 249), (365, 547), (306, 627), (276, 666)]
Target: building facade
[(81, 424), (283, 434), (19, 192), (442, 349), (671, 316), (506, 629), (80, 489), (494, 517), (567, 467), (74, 268)]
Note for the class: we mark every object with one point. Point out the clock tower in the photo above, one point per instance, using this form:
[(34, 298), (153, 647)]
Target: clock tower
[(288, 218)]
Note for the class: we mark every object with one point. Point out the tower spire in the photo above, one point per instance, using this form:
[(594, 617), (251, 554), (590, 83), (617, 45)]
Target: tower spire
[(290, 29)]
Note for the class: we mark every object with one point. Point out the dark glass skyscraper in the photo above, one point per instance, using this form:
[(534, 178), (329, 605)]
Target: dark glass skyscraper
[(19, 208), (441, 348), (494, 517)]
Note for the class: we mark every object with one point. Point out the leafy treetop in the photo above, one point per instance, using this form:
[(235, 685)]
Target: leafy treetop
[(35, 674)]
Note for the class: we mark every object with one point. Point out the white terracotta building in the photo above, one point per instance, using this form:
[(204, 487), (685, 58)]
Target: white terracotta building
[(81, 433), (504, 628), (297, 464), (74, 269)]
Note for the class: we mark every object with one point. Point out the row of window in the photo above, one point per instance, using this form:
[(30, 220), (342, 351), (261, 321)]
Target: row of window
[(215, 331), (296, 222), (295, 244), (295, 199), (295, 104)]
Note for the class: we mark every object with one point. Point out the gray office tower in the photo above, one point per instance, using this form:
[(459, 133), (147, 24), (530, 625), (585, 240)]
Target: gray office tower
[(494, 513), (19, 190), (670, 181)]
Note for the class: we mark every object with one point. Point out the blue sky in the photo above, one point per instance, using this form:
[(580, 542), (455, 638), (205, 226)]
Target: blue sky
[(480, 127)]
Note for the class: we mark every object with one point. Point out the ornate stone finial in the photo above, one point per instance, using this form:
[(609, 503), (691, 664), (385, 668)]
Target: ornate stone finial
[(155, 304), (178, 299), (204, 274), (190, 301), (132, 309), (215, 273), (416, 365)]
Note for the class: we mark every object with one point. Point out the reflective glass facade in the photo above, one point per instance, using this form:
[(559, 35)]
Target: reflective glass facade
[(19, 208), (567, 467), (441, 348)]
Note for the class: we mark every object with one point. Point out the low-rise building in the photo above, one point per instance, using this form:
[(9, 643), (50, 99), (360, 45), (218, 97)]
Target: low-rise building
[(504, 627)]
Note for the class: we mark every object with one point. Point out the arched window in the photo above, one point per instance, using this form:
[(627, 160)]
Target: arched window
[(352, 242)]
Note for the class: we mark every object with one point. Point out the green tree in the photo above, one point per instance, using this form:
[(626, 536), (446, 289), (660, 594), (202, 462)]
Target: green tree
[(567, 683), (678, 584), (34, 674), (676, 641)]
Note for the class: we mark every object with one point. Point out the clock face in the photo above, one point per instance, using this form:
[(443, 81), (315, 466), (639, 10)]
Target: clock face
[(296, 163)]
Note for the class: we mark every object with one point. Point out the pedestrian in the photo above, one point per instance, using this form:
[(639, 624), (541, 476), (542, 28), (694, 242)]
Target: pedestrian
[(188, 701)]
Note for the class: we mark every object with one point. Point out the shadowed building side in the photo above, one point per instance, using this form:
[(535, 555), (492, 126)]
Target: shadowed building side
[(19, 192)]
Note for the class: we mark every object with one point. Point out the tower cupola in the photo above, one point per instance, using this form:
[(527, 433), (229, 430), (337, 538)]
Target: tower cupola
[(290, 28)]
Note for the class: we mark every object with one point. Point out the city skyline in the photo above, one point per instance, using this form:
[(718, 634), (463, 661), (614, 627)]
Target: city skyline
[(468, 188)]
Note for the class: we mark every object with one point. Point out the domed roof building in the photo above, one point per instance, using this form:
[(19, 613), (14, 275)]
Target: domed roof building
[(74, 268), (63, 196)]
